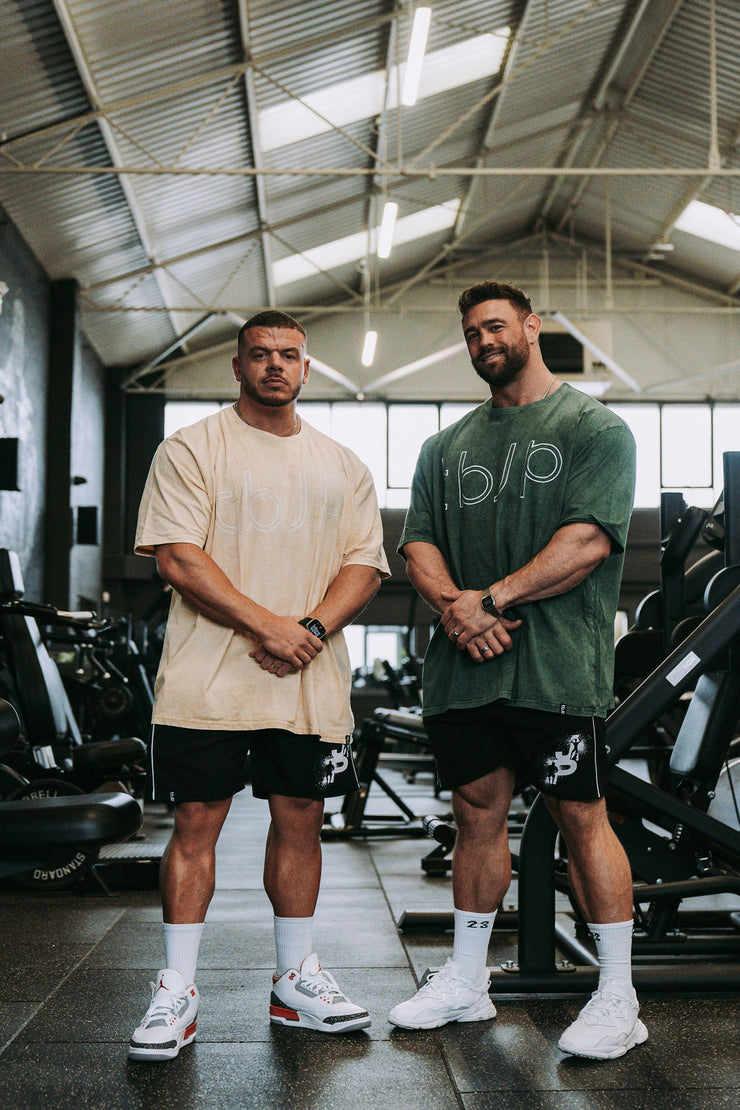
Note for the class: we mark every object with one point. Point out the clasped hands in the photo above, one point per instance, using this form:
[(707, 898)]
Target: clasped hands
[(472, 629), (286, 647)]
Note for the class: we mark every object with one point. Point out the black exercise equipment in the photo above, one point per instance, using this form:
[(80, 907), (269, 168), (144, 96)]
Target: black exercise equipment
[(32, 682), (105, 677), (352, 820), (49, 841)]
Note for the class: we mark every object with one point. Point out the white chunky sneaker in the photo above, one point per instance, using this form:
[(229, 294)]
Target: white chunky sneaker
[(309, 998), (169, 1023), (606, 1028), (446, 996)]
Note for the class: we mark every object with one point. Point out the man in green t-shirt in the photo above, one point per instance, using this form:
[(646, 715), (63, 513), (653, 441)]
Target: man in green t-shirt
[(515, 535)]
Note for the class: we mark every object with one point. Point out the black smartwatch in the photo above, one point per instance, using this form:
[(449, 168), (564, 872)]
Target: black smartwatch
[(489, 605), (314, 625)]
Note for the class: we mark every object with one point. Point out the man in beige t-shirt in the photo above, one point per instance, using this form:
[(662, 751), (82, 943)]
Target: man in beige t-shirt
[(269, 534)]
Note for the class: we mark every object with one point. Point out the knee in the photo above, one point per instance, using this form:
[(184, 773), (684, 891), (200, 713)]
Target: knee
[(579, 821), (197, 826), (297, 822)]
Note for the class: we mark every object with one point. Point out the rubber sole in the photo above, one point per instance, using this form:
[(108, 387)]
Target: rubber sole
[(638, 1036), (482, 1011), (152, 1053), (298, 1019)]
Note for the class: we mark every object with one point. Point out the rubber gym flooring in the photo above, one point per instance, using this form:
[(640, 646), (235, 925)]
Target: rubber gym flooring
[(75, 969)]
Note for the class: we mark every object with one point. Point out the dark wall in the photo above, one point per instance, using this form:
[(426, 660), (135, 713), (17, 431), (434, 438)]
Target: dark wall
[(53, 388), (86, 461), (134, 429), (24, 357)]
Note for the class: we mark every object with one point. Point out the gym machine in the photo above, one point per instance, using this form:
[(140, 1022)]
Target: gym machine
[(352, 820), (53, 842)]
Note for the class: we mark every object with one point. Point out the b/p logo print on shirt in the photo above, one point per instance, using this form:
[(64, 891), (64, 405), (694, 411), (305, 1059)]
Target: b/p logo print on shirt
[(263, 509), (539, 462)]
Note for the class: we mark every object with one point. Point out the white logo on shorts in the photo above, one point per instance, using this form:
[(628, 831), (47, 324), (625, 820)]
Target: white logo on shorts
[(565, 761), (339, 763)]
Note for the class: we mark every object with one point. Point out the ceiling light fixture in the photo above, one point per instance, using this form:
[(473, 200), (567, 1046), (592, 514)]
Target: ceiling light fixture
[(368, 347), (387, 226), (415, 60)]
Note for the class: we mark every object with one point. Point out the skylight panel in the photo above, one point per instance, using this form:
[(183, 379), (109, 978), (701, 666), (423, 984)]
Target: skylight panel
[(362, 97), (353, 247), (709, 222)]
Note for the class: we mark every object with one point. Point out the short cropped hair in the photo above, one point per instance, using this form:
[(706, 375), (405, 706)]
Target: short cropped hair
[(269, 318), (494, 291)]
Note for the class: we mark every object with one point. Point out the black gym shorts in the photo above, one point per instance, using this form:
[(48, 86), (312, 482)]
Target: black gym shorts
[(561, 755), (208, 765)]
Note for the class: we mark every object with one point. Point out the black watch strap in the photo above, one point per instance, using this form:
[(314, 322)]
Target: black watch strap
[(314, 625), (489, 604)]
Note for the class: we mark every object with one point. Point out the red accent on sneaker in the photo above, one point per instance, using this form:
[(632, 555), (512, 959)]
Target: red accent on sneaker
[(284, 1012)]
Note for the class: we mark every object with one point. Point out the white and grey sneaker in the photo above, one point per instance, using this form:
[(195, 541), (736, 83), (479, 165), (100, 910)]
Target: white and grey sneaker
[(309, 998), (446, 996), (606, 1028), (169, 1023)]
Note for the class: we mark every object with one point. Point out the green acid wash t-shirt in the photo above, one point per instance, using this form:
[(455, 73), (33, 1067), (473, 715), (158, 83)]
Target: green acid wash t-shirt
[(490, 492)]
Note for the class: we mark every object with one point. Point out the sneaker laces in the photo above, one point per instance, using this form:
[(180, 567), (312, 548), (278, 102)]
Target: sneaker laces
[(602, 1006), (162, 1005), (434, 985), (324, 985)]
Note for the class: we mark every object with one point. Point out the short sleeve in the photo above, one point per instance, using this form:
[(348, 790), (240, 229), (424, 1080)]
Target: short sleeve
[(419, 523), (176, 504), (601, 483), (364, 544)]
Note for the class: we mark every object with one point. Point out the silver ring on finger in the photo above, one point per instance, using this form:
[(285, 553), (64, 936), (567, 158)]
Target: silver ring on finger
[(455, 634), (485, 650)]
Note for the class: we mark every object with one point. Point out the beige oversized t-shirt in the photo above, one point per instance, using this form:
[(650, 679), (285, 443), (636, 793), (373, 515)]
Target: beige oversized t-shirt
[(281, 516)]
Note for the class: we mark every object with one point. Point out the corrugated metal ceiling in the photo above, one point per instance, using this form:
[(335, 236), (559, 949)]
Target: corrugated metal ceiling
[(162, 205)]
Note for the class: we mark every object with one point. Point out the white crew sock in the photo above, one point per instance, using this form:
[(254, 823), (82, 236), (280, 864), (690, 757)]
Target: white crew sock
[(472, 934), (293, 942), (181, 944), (614, 949)]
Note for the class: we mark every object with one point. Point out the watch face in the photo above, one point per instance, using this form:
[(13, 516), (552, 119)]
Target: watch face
[(488, 603), (314, 626)]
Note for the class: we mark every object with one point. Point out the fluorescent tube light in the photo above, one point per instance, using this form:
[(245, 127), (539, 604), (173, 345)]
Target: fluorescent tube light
[(362, 97), (387, 225), (368, 348), (415, 60), (327, 256)]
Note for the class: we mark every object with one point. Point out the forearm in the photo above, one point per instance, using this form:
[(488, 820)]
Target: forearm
[(347, 596), (429, 574), (198, 579), (571, 555)]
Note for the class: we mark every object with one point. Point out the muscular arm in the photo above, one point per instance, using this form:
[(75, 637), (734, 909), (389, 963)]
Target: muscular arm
[(428, 571), (347, 596), (571, 555), (198, 579)]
